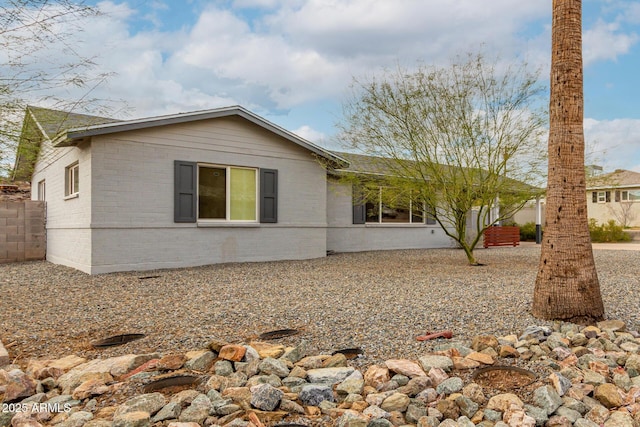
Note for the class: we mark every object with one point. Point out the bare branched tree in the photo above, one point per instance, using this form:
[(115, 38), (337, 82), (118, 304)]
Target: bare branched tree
[(41, 63), (455, 138)]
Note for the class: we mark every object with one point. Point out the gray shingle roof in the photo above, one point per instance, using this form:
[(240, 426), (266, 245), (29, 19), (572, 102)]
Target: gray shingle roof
[(621, 178)]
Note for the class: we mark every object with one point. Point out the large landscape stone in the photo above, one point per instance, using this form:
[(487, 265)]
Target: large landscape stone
[(265, 397), (328, 375)]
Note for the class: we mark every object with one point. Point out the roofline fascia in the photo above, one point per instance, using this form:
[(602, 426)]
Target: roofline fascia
[(615, 187), (74, 136)]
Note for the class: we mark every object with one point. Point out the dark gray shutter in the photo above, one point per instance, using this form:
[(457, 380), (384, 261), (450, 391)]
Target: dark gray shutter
[(359, 206), (594, 197), (607, 196), (268, 195), (185, 191), (617, 196)]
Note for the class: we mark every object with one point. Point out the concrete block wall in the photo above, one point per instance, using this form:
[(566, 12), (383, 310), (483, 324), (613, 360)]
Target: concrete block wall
[(22, 231)]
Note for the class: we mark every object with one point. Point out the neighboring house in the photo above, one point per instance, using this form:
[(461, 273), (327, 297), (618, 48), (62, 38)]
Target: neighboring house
[(616, 196), (205, 187)]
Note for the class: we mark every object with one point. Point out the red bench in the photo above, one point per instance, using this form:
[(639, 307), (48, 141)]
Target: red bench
[(501, 236)]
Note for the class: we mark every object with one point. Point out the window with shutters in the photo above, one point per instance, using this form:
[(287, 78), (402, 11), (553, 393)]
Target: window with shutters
[(211, 194), (227, 193)]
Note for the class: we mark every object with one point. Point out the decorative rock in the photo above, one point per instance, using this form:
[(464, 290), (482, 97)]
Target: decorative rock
[(598, 414), (448, 409), (539, 414), (467, 406), (224, 368), (170, 411), (502, 402), (508, 351), (482, 342), (92, 387), (619, 419), (608, 395), (585, 423), (483, 358), (232, 352), (414, 413), (291, 406), (415, 386), (375, 376), (396, 402), (546, 397), (132, 419), (569, 414), (67, 363), (198, 411), (437, 375), (149, 403), (18, 385), (273, 366), (171, 362), (77, 419), (462, 363), (265, 397), (328, 375), (313, 394), (558, 421), (449, 386), (200, 360), (474, 392), (516, 417), (351, 419), (349, 386), (560, 383), (405, 367), (433, 361), (268, 350), (338, 360), (612, 325)]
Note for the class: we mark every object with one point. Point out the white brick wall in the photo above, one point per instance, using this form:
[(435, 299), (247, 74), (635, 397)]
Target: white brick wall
[(344, 236), (68, 220), (132, 208)]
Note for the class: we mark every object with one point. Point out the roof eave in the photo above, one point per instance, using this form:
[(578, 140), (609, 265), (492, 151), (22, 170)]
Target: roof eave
[(73, 137)]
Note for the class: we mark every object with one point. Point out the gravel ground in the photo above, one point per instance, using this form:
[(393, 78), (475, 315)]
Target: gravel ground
[(378, 301)]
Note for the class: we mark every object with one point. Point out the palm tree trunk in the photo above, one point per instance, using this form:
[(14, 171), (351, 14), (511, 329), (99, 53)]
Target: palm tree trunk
[(567, 283)]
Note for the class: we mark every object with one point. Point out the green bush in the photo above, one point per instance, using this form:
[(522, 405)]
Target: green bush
[(528, 231), (608, 232)]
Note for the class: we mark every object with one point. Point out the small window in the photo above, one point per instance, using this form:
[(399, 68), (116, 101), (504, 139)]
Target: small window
[(604, 196), (41, 190), (71, 180)]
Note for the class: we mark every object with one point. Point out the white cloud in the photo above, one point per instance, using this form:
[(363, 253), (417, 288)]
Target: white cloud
[(606, 41), (310, 134), (614, 144)]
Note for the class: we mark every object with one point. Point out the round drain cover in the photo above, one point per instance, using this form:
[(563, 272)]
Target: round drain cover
[(280, 333), (117, 340), (177, 381), (504, 377), (350, 353)]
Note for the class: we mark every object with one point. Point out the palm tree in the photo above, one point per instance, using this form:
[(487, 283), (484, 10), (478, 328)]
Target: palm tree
[(567, 283)]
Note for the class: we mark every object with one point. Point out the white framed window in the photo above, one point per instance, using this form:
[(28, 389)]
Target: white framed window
[(72, 180), (41, 190), (630, 196), (227, 193), (601, 197), (389, 206)]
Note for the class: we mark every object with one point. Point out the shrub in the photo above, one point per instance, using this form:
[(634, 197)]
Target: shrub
[(607, 232), (528, 231)]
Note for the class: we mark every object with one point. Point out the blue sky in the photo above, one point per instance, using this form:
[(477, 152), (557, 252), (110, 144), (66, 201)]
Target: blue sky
[(292, 61)]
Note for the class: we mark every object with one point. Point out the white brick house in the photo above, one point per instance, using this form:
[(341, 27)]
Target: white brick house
[(198, 188)]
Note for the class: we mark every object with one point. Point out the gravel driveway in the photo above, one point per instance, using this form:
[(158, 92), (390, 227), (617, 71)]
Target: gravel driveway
[(379, 301)]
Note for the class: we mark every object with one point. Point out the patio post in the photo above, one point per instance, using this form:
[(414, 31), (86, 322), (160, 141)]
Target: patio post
[(538, 220)]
